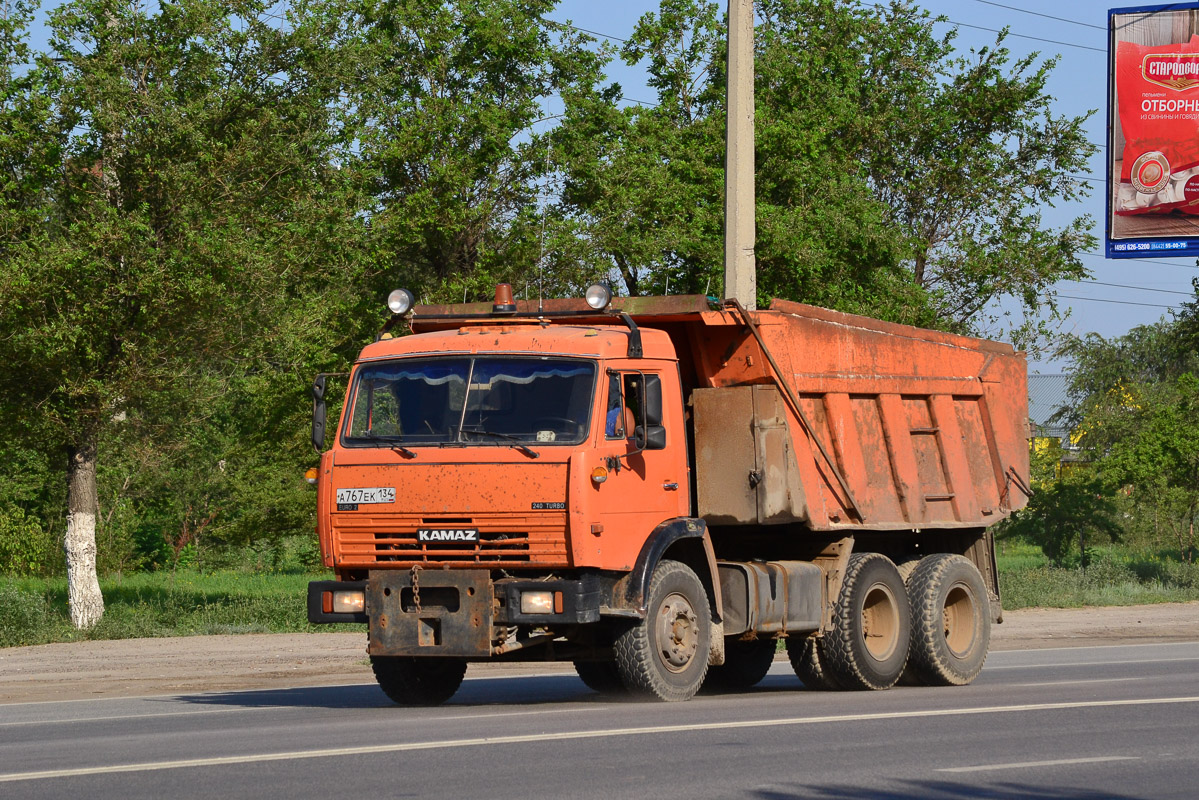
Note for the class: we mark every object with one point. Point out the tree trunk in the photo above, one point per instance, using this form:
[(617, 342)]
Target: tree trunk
[(83, 585)]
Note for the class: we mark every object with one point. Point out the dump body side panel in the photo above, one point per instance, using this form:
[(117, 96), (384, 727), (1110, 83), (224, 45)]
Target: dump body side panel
[(926, 430)]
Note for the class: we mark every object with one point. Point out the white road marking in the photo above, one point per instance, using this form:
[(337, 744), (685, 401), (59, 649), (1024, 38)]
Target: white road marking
[(1033, 764), (1094, 647), (536, 713), (76, 720), (153, 766), (1093, 680), (989, 667)]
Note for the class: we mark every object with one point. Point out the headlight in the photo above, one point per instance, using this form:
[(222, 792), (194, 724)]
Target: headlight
[(353, 602), (598, 296), (537, 602), (400, 300)]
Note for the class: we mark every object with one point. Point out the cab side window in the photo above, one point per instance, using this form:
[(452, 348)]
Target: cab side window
[(614, 416)]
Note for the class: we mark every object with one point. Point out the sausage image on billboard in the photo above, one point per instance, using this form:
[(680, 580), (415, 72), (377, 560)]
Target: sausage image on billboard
[(1158, 90)]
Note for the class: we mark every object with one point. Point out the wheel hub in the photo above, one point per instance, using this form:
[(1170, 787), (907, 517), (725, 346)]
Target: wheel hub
[(677, 632), (880, 622), (957, 619)]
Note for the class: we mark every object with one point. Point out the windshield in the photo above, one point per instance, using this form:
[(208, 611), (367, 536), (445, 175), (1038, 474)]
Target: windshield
[(483, 400)]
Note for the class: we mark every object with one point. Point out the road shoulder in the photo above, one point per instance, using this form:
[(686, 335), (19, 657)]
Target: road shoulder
[(137, 667)]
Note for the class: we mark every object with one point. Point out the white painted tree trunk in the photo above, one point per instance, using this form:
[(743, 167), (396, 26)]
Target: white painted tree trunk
[(83, 586)]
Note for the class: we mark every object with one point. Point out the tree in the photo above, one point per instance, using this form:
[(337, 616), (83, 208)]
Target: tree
[(163, 239), (894, 176), (1135, 400), (441, 111), (1157, 455)]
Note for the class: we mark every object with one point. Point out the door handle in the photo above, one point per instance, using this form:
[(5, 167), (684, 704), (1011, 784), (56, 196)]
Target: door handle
[(670, 486)]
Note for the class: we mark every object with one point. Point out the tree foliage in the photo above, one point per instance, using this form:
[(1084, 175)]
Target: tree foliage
[(895, 177), (1070, 512), (1135, 408), (202, 202)]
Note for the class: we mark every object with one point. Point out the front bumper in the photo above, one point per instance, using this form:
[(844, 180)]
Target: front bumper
[(459, 613)]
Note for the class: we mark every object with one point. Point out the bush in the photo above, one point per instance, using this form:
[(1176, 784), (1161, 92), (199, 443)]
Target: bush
[(25, 548), (24, 617)]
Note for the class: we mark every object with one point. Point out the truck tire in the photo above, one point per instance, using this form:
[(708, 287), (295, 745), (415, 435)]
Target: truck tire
[(951, 623), (418, 681), (804, 654), (745, 663), (868, 645), (665, 655), (906, 567), (601, 676)]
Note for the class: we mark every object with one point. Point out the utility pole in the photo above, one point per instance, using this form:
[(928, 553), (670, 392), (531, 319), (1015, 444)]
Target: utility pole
[(740, 269)]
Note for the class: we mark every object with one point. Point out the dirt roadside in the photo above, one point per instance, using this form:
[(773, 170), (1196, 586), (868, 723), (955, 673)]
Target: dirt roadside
[(135, 667)]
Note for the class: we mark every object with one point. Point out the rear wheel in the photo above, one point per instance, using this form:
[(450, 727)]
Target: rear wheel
[(600, 676), (951, 621), (665, 655), (418, 681), (745, 663), (804, 654), (868, 645)]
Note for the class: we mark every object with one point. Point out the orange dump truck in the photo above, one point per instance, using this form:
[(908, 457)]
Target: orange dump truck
[(660, 489)]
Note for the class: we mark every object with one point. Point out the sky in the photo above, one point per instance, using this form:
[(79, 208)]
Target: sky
[(1120, 294)]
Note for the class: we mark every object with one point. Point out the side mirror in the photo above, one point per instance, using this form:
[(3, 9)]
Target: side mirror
[(318, 413), (651, 435), (653, 401), (653, 438)]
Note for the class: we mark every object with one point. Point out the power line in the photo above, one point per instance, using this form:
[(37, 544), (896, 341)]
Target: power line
[(584, 30), (1039, 14), (1017, 35), (1025, 36), (1144, 260), (1137, 288), (1119, 302)]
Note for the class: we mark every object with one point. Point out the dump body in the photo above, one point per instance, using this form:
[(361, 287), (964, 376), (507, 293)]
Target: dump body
[(897, 428)]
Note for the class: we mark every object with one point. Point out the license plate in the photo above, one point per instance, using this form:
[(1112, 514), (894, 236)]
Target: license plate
[(374, 495)]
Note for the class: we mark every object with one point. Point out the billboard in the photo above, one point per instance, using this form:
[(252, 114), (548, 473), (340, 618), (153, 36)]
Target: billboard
[(1153, 131)]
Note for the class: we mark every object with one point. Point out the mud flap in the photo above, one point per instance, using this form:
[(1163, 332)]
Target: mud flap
[(716, 645), (430, 613)]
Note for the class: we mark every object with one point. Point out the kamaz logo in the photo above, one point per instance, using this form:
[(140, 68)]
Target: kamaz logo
[(447, 534)]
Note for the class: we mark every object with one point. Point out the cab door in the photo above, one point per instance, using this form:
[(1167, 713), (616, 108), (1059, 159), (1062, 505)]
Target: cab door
[(646, 457)]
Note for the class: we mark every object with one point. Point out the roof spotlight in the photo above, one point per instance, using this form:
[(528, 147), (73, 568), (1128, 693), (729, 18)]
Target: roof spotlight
[(598, 296), (400, 300)]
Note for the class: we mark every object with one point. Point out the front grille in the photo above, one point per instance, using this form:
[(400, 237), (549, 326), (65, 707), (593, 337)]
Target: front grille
[(508, 540)]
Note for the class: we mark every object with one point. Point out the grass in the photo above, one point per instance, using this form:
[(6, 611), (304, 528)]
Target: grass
[(189, 602), (1115, 577), (152, 604)]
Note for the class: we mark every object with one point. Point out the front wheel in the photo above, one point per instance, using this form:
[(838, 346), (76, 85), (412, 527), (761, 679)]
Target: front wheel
[(951, 623), (665, 655), (418, 681), (600, 676), (868, 645)]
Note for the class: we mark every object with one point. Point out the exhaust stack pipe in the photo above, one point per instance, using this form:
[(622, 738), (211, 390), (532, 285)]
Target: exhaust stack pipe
[(740, 269)]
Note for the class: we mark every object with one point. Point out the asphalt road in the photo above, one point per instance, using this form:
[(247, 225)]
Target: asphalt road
[(1088, 722)]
